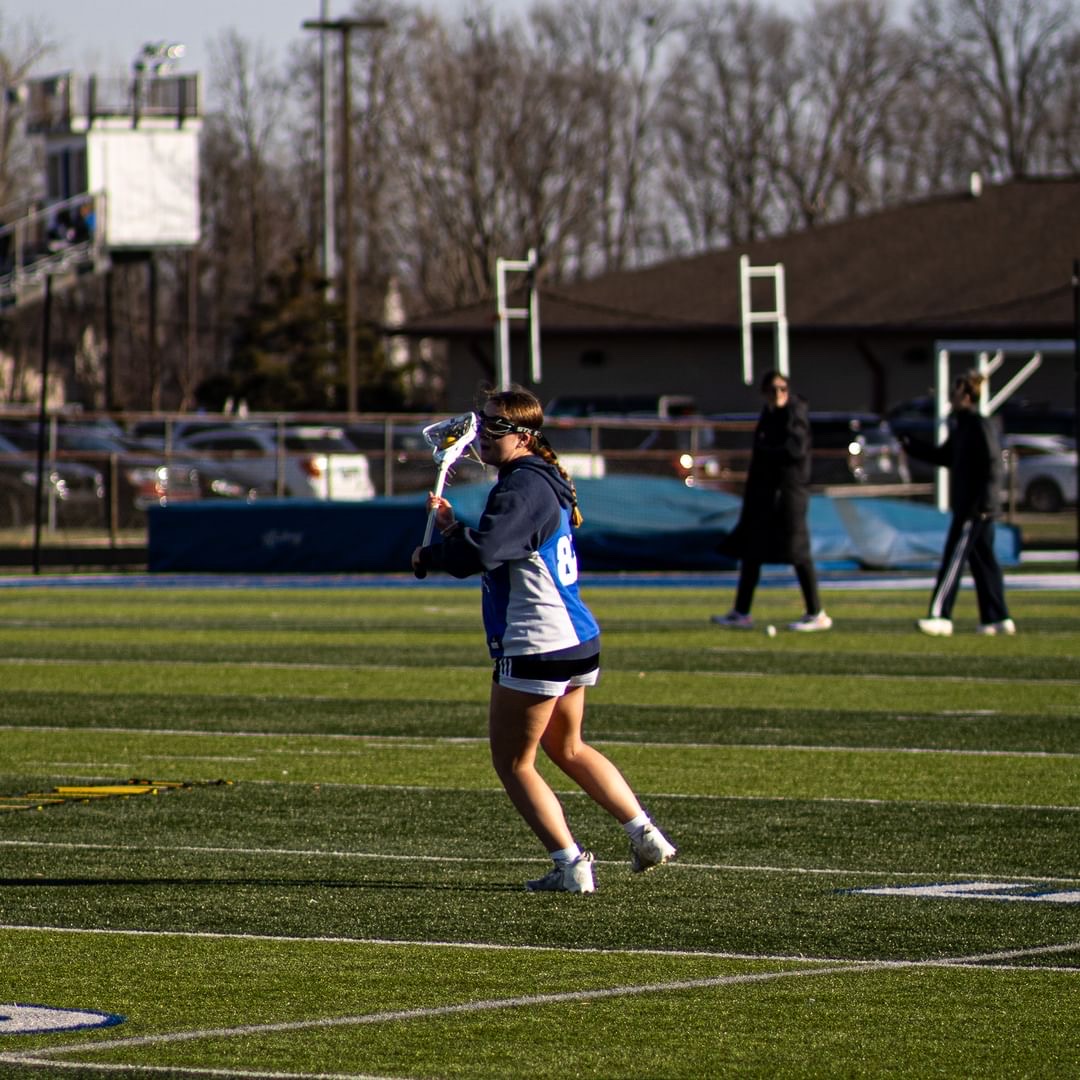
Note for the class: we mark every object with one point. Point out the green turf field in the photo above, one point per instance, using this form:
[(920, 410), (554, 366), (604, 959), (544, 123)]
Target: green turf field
[(879, 833)]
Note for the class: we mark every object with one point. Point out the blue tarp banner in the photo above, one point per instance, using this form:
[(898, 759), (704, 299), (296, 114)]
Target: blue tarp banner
[(631, 523)]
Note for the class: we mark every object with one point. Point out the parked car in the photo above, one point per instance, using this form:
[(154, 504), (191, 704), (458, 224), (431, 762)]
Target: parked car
[(142, 479), (309, 461), (74, 494), (858, 448), (164, 433), (915, 417), (1041, 471), (848, 448)]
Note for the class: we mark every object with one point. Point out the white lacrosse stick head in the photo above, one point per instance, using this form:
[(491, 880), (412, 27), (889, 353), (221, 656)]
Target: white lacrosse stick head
[(450, 439)]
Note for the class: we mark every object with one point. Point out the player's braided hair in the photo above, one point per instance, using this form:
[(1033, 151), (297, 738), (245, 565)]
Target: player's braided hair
[(522, 407)]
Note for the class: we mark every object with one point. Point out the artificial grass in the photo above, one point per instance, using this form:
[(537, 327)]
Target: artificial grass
[(790, 772), (766, 1017)]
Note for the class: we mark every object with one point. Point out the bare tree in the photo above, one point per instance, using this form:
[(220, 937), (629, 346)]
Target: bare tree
[(727, 85), (452, 131), (854, 70), (21, 50), (253, 98), (1004, 58), (1064, 119), (612, 50), (380, 62)]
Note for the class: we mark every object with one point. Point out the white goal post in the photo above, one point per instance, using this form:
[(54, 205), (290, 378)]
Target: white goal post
[(504, 314)]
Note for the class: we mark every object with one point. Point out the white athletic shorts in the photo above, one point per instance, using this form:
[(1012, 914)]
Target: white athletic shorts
[(545, 675)]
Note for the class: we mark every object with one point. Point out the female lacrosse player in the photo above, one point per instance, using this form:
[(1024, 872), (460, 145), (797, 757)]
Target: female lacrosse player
[(543, 639)]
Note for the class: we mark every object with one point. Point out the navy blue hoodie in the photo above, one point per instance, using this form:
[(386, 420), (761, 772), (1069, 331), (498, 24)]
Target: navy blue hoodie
[(523, 546)]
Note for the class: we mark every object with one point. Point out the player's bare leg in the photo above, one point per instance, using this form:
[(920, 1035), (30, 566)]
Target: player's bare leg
[(516, 722), (599, 778)]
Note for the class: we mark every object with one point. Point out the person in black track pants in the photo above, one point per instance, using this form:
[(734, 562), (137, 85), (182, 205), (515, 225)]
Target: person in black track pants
[(972, 455)]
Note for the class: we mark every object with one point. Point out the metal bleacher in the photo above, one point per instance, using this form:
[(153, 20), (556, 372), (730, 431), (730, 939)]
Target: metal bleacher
[(62, 241)]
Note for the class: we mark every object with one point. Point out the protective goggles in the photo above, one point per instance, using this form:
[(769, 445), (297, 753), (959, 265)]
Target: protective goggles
[(499, 427)]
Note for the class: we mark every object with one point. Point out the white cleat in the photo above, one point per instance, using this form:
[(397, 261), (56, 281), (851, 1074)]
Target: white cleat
[(810, 623), (574, 877), (936, 627), (651, 848), (991, 629)]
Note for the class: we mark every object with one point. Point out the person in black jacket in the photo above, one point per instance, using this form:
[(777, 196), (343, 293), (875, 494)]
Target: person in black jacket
[(772, 525), (972, 455)]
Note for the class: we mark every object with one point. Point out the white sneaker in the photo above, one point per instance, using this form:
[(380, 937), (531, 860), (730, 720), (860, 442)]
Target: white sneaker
[(650, 849), (936, 627), (990, 629), (808, 623), (733, 620), (574, 877)]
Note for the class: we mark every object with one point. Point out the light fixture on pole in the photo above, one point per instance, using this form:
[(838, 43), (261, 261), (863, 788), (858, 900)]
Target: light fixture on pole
[(345, 27), (154, 59)]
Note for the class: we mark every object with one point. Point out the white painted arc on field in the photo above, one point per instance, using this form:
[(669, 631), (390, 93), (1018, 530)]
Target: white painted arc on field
[(39, 1019), (286, 939), (281, 665), (531, 1000), (399, 1015), (482, 946), (186, 1070), (1000, 891)]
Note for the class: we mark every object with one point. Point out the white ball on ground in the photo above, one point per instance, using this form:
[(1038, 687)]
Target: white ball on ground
[(770, 630)]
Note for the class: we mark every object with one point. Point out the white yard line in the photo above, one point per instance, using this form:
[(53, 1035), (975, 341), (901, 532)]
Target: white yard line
[(380, 856), (978, 960), (187, 1070), (674, 795), (351, 666), (426, 742)]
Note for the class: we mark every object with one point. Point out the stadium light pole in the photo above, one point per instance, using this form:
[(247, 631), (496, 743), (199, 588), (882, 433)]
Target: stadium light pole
[(326, 160), (345, 28)]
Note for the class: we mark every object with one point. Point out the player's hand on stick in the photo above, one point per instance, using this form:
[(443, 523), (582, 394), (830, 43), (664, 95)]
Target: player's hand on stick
[(441, 516), (449, 439), (443, 511)]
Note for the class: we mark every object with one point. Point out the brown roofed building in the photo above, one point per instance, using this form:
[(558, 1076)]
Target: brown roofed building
[(867, 301)]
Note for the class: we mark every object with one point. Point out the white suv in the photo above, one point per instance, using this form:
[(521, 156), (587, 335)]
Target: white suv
[(310, 461)]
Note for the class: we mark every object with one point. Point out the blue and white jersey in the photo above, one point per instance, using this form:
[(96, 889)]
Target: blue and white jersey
[(532, 605), (524, 547)]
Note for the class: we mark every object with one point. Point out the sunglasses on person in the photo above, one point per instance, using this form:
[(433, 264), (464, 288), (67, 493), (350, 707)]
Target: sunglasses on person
[(498, 427)]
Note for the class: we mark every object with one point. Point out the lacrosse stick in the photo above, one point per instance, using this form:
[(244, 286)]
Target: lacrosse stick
[(449, 441)]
